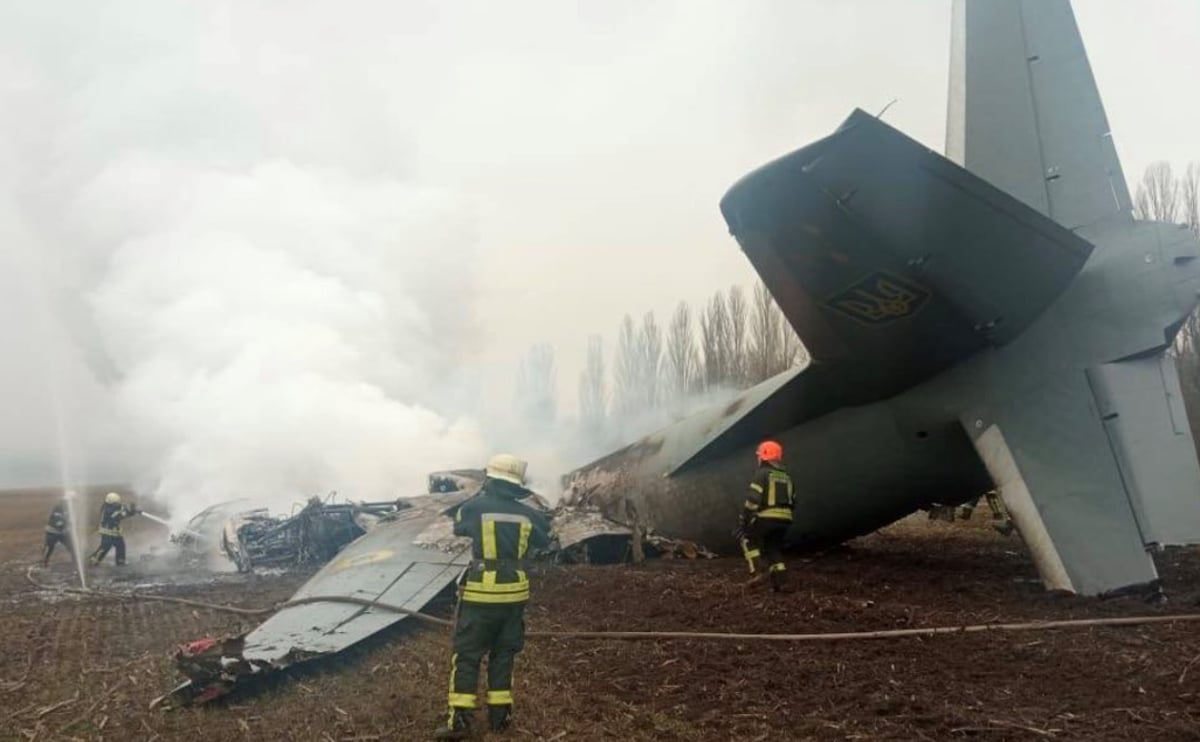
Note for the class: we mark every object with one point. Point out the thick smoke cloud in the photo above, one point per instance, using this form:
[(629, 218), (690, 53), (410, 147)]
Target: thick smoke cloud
[(272, 305), (270, 331)]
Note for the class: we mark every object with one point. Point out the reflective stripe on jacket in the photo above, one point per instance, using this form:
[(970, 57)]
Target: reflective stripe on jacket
[(501, 531), (772, 495), (110, 519)]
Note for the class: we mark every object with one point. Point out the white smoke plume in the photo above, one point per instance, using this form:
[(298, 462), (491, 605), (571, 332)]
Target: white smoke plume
[(272, 329), (220, 207)]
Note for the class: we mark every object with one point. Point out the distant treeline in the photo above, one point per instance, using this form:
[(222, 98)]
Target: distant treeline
[(728, 344)]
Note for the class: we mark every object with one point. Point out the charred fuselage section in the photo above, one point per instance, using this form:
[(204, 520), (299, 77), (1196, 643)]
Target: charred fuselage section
[(255, 539)]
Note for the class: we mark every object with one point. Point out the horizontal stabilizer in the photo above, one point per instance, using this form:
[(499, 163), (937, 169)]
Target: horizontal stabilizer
[(892, 262)]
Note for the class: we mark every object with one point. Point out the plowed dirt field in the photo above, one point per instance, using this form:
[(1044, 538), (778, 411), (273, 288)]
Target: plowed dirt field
[(87, 668)]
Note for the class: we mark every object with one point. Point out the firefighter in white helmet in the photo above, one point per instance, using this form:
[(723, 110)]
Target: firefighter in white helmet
[(491, 611), (112, 512)]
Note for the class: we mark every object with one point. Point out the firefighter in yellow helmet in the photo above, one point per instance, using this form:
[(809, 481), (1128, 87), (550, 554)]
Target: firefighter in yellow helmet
[(112, 512), (491, 611), (767, 515)]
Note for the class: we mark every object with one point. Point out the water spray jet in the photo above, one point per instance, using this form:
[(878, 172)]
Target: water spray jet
[(163, 521), (75, 532)]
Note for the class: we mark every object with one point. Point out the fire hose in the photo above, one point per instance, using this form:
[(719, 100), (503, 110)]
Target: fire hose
[(654, 635)]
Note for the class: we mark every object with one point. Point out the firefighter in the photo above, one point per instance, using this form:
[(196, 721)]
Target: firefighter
[(112, 512), (491, 610), (767, 515), (57, 532)]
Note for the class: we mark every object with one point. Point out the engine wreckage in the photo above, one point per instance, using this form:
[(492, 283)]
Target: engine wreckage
[(382, 560)]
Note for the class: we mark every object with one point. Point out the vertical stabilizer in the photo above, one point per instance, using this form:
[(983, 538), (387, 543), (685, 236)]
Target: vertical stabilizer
[(1025, 114)]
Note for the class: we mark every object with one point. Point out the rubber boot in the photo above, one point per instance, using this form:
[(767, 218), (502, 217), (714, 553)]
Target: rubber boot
[(755, 578), (779, 581), (499, 718), (458, 725)]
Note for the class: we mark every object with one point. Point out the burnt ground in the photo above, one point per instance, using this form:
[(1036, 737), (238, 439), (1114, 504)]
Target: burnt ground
[(87, 668)]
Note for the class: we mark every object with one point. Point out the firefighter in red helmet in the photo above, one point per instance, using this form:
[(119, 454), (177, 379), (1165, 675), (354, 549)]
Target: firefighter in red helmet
[(767, 515)]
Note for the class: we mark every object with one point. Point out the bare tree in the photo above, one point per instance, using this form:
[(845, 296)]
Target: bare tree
[(682, 363), (593, 394), (794, 352), (625, 371), (715, 341), (650, 349), (739, 373), (537, 396), (1158, 194), (1189, 193), (765, 330), (774, 345)]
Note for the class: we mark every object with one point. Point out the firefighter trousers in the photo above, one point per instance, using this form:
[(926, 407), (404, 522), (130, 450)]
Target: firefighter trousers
[(54, 539), (495, 630), (106, 543), (766, 539)]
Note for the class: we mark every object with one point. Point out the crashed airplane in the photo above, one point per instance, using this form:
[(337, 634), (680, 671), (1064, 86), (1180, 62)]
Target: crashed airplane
[(405, 560), (995, 318), (404, 555)]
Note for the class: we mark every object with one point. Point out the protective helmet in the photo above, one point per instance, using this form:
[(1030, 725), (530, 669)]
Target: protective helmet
[(112, 498), (506, 468), (769, 451)]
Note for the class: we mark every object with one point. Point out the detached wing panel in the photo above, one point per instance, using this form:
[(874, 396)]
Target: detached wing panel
[(891, 261), (385, 566)]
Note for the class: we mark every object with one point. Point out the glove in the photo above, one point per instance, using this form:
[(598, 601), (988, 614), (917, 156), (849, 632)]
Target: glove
[(739, 533)]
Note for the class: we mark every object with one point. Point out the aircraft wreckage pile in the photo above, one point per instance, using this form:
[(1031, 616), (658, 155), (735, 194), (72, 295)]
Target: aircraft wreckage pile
[(382, 559)]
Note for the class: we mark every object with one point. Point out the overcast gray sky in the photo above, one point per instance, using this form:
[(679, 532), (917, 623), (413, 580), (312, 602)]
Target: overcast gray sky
[(576, 153)]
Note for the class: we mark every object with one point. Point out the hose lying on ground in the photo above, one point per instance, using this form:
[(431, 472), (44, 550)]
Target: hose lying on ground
[(143, 596), (657, 635)]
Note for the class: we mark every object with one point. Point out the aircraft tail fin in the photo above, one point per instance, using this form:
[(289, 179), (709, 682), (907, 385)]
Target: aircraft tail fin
[(1025, 113)]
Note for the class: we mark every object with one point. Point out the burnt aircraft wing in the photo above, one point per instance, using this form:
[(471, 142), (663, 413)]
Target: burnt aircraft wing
[(391, 564), (383, 566), (892, 262)]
